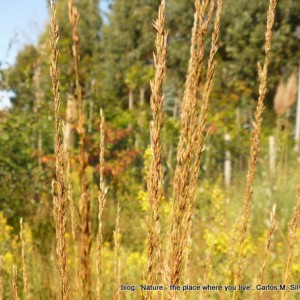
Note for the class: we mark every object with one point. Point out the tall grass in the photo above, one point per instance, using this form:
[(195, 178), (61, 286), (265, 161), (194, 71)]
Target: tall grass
[(292, 231), (101, 203), (59, 189), (84, 269), (262, 269), (117, 271), (190, 147), (254, 151), (1, 279), (168, 251), (155, 180), (24, 266), (15, 283), (191, 136)]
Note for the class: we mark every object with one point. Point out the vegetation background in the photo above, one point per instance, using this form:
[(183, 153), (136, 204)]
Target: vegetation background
[(116, 66)]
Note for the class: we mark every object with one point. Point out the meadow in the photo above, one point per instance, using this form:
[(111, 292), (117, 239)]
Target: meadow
[(157, 165)]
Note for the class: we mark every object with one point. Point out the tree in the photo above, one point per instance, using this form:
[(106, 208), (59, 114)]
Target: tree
[(242, 41), (128, 38)]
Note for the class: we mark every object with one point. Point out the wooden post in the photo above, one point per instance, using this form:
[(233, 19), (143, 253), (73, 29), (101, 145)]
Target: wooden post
[(227, 164), (272, 154), (142, 96), (297, 128), (130, 99)]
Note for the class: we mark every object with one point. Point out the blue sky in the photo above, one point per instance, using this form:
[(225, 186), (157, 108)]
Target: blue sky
[(21, 22)]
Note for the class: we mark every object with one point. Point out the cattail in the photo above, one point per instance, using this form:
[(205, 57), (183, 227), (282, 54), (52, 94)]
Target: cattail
[(85, 239), (292, 237), (101, 203), (254, 151), (58, 187), (15, 283), (25, 277), (267, 250), (155, 177), (191, 138), (117, 275)]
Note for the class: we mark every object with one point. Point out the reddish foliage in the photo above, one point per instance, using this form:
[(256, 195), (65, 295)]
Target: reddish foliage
[(115, 135), (117, 160), (47, 159), (122, 160), (211, 128)]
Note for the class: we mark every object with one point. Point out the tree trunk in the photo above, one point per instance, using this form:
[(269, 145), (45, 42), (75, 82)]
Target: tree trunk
[(130, 99), (71, 117), (142, 96)]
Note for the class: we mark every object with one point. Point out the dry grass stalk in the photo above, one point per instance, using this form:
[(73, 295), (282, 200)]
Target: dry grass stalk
[(207, 269), (101, 203), (25, 276), (202, 18), (186, 271), (74, 225), (15, 283), (261, 280), (117, 274), (72, 212), (199, 134), (59, 189), (155, 178), (191, 138), (184, 152), (70, 198), (85, 239), (1, 279), (254, 151), (292, 237)]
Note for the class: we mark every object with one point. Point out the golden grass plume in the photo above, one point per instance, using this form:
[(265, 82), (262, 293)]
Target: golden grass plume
[(58, 187), (254, 150), (85, 238), (101, 203), (155, 177)]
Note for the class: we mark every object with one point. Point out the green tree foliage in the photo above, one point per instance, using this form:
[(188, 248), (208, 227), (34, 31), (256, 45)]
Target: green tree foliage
[(128, 40), (19, 78), (242, 43), (116, 57)]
